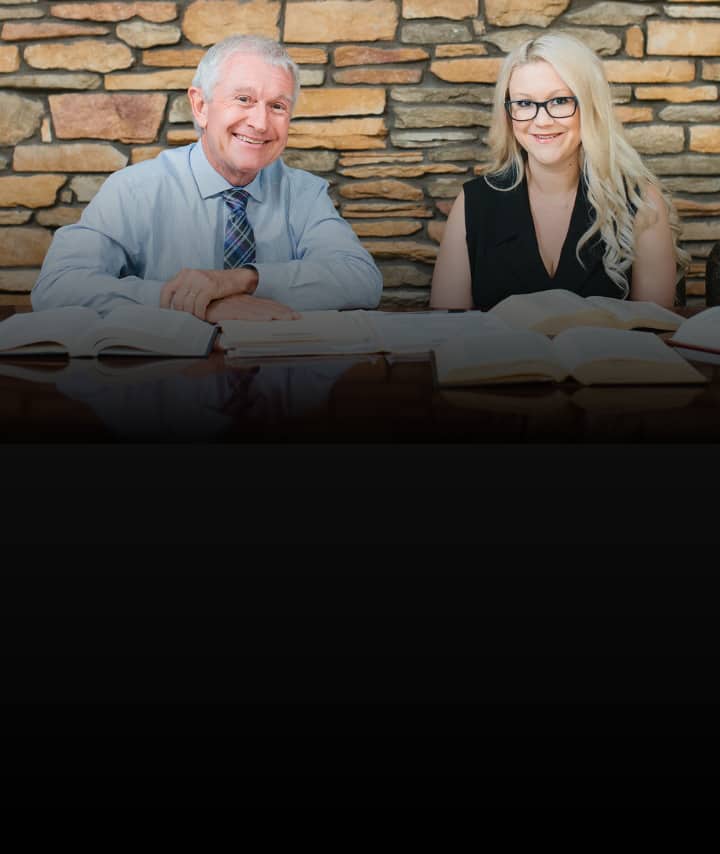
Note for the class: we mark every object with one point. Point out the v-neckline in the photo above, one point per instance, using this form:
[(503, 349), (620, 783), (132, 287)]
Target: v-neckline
[(571, 222)]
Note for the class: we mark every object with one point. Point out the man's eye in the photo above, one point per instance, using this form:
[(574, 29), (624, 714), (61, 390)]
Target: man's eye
[(279, 108), (244, 99)]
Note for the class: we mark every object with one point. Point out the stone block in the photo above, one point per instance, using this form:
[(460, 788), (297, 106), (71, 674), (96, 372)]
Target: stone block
[(657, 139), (145, 152), (340, 21), (177, 78), (340, 102), (448, 51), (82, 55), (676, 94), (387, 189), (399, 275), (453, 9), (510, 13), (386, 228), (441, 116), (173, 57), (408, 249), (693, 38), (59, 216), (27, 12), (127, 118), (611, 14), (634, 42), (705, 138), (149, 11), (13, 32), (52, 81), (311, 161), (483, 70), (375, 76), (429, 138), (649, 70), (78, 157), (14, 217), (20, 118), (86, 186), (9, 58), (23, 246), (422, 33), (208, 21), (34, 191), (444, 95), (18, 281), (362, 55), (144, 35)]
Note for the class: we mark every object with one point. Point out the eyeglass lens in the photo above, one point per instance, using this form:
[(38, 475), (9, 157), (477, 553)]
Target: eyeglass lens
[(557, 108)]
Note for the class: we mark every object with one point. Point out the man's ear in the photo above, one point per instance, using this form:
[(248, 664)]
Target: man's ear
[(198, 105)]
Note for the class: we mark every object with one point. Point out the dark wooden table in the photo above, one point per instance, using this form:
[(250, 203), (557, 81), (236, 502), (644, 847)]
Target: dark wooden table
[(347, 450), (346, 399)]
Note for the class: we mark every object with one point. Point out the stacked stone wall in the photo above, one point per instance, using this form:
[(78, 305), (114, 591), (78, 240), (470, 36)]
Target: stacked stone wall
[(394, 109)]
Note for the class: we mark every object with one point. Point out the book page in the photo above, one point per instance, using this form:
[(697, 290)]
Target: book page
[(638, 313), (146, 330), (701, 330), (421, 332), (313, 333), (54, 331), (610, 356), (550, 311), (497, 357)]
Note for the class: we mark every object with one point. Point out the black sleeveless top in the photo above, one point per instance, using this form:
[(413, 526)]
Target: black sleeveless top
[(504, 254)]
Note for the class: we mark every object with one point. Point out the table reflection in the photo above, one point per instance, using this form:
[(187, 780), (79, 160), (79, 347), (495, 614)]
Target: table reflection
[(188, 399)]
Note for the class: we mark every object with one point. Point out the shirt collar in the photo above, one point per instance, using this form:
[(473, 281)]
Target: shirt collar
[(211, 183)]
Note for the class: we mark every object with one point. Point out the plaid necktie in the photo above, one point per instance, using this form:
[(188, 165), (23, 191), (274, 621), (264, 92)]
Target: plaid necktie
[(239, 246)]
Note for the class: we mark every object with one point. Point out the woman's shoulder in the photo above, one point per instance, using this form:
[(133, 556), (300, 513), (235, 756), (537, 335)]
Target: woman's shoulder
[(488, 190)]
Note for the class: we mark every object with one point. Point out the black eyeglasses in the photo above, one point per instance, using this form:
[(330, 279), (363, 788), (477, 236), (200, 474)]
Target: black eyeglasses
[(561, 107)]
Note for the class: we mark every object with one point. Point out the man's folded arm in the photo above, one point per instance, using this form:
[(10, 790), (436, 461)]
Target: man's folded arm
[(331, 270), (87, 267)]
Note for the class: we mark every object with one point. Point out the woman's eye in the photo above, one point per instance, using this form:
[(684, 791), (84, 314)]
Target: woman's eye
[(560, 102), (523, 103)]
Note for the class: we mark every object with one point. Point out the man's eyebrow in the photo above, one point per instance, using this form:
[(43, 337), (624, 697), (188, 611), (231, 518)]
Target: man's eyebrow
[(250, 90)]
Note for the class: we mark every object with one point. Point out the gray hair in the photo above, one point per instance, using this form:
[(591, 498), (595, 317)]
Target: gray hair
[(208, 70)]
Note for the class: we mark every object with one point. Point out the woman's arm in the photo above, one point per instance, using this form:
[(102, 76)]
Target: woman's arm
[(451, 284), (654, 268)]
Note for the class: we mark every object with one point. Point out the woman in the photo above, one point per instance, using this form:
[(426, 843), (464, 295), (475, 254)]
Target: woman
[(566, 201)]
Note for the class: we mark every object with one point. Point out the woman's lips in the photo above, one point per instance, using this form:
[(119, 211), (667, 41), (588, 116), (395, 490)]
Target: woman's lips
[(545, 138)]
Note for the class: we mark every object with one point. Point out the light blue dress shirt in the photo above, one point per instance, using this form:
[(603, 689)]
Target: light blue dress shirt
[(151, 220)]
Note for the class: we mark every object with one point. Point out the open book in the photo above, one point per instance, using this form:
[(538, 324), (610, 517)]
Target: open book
[(127, 330), (553, 310), (323, 333), (587, 355), (698, 337)]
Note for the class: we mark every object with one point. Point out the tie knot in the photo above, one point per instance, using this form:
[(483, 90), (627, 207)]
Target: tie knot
[(236, 199)]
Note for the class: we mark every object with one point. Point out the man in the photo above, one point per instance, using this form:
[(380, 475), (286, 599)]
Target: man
[(221, 228)]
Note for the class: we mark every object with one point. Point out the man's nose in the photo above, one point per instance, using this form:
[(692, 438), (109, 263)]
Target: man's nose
[(257, 117)]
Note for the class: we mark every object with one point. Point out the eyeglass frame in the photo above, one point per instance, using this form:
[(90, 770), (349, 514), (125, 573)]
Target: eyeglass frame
[(538, 104)]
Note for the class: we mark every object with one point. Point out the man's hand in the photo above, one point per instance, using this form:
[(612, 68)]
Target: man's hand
[(244, 307), (194, 290)]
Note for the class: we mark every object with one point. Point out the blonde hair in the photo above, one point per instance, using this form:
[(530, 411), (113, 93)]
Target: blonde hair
[(613, 171)]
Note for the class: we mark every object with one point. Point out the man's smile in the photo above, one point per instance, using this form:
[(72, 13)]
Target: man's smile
[(244, 138)]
